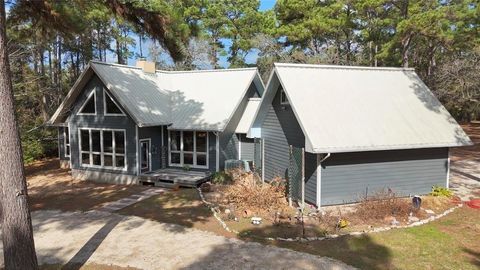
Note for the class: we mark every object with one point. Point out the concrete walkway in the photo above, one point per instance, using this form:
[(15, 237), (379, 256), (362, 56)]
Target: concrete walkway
[(465, 179), (124, 202), (95, 237)]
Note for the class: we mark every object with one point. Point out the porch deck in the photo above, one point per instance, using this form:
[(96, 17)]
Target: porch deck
[(170, 176)]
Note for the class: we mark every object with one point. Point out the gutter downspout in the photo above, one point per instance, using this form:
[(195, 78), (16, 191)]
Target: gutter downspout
[(217, 151), (325, 157), (319, 178)]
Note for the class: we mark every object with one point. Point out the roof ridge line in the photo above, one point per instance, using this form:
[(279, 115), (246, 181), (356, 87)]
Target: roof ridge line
[(205, 70), (322, 66), (172, 71)]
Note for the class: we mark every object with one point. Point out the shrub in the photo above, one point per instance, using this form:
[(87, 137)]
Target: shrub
[(221, 178), (249, 194), (32, 150), (438, 191), (381, 205)]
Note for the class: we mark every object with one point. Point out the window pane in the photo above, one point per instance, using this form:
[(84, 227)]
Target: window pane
[(67, 150), (108, 160), (96, 159), (120, 161), (107, 142), (188, 159), (175, 159), (201, 160), (95, 140), (188, 141), (119, 142), (67, 136), (84, 137), (111, 107), (175, 140), (144, 154), (86, 159), (89, 105), (201, 141)]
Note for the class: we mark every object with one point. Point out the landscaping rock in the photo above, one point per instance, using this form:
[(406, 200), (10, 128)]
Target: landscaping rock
[(412, 219), (430, 212)]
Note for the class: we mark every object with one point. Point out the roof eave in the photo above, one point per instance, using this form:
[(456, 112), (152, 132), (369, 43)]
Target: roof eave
[(322, 150)]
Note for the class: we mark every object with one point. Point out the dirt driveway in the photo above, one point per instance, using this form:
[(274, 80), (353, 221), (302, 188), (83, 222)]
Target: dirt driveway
[(465, 166), (95, 237)]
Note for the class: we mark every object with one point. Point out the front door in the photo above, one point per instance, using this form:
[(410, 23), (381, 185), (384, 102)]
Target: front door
[(145, 155)]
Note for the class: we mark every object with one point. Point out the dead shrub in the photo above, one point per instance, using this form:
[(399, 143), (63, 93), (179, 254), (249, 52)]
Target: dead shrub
[(383, 204), (250, 195)]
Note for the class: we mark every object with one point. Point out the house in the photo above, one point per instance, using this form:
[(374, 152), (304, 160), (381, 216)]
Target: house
[(362, 129), (119, 122)]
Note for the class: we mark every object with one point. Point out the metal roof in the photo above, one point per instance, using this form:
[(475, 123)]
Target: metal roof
[(348, 109), (200, 100), (248, 115)]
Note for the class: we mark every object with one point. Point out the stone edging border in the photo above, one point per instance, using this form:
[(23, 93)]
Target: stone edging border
[(215, 213), (330, 236)]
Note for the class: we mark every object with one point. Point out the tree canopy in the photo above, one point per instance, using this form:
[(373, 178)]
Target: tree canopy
[(51, 42)]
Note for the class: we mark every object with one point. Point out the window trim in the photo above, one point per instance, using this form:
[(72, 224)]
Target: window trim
[(105, 93), (65, 142), (182, 152), (102, 152), (282, 95), (94, 93)]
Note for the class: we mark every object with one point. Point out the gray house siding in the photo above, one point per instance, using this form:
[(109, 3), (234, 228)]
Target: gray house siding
[(247, 148), (346, 177), (228, 138), (280, 129), (100, 121), (155, 136), (61, 144)]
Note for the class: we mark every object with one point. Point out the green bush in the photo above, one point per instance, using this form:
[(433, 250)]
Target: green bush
[(438, 191), (32, 150), (221, 178)]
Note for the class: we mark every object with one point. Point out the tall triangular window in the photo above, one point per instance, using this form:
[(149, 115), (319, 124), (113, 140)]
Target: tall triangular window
[(111, 106), (89, 106)]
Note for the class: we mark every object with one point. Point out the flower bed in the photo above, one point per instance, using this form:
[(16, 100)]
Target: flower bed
[(245, 196)]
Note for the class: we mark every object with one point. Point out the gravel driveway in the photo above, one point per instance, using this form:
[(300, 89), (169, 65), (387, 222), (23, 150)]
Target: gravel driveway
[(104, 238)]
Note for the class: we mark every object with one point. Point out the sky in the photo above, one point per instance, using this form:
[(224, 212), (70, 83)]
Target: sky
[(251, 56)]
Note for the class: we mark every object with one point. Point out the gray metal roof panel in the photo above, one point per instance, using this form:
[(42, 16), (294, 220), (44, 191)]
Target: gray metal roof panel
[(203, 100), (343, 109)]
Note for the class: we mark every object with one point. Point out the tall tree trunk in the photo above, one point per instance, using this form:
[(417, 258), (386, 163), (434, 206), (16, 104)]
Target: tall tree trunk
[(140, 37), (17, 232), (405, 49), (43, 86), (119, 52), (58, 67)]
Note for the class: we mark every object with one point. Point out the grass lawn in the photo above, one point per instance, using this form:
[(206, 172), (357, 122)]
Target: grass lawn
[(50, 187), (451, 242)]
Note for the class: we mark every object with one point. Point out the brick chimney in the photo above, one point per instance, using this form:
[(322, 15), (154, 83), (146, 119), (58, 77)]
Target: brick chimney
[(147, 67)]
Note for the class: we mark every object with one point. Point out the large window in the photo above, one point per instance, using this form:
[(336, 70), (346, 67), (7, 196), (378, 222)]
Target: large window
[(102, 148), (89, 106), (188, 148), (66, 141), (110, 106)]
